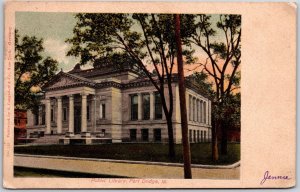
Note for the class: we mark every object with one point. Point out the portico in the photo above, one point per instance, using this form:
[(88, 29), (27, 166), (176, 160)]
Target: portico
[(55, 97)]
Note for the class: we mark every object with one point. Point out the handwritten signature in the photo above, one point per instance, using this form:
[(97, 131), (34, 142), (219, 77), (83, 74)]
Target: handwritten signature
[(268, 176)]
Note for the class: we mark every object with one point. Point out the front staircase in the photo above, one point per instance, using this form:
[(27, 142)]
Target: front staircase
[(47, 140)]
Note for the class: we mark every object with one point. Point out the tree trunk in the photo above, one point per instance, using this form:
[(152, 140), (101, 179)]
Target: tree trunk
[(224, 128), (171, 138), (214, 143), (184, 124)]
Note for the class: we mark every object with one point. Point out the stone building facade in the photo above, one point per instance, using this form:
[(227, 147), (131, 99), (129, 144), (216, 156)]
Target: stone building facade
[(119, 104)]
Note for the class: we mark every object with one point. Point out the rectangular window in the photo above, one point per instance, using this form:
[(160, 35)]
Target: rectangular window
[(132, 134), (146, 106), (36, 118), (88, 112), (145, 135), (134, 107), (201, 111), (201, 136), (197, 108), (204, 111), (52, 115), (198, 136), (190, 108), (195, 136), (102, 132), (190, 135), (103, 111), (157, 135), (158, 106), (204, 136), (65, 114), (43, 115), (194, 109)]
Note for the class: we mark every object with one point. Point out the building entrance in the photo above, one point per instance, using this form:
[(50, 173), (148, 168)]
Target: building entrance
[(77, 119)]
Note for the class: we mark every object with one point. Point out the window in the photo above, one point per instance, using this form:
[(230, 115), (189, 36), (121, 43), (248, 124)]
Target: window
[(198, 136), (36, 118), (52, 115), (201, 111), (146, 106), (43, 115), (103, 132), (88, 112), (204, 111), (201, 136), (197, 108), (132, 134), (194, 109), (190, 108), (65, 114), (145, 135), (157, 134), (102, 111), (158, 106), (134, 107), (190, 135), (194, 135), (204, 136)]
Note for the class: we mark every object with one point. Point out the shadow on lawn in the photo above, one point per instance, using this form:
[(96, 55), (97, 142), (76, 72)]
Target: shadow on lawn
[(156, 152)]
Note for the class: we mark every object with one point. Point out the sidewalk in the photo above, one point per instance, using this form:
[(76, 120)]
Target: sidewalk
[(125, 168)]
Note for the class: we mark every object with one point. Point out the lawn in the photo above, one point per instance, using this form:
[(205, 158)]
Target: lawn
[(157, 152)]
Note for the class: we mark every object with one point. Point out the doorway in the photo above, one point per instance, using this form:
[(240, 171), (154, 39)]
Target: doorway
[(77, 119)]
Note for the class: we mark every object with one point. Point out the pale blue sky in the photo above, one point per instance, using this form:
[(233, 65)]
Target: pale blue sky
[(55, 28)]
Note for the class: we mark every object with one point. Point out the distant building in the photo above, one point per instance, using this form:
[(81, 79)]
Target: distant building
[(20, 123), (120, 104)]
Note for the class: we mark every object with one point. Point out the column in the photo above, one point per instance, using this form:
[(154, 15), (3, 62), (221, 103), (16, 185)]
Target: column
[(93, 113), (59, 115), (83, 113), (71, 114), (151, 105), (48, 116), (140, 106)]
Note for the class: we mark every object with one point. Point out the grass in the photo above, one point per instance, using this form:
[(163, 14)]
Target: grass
[(157, 152)]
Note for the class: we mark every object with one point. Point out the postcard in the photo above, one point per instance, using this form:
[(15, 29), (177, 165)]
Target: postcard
[(149, 95)]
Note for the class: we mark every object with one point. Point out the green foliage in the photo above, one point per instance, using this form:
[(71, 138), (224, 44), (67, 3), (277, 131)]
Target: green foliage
[(147, 38), (31, 71), (201, 79)]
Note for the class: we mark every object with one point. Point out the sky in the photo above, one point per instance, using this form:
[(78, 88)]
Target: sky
[(55, 27)]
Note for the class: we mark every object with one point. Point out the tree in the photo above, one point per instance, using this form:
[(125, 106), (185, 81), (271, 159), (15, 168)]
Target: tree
[(183, 113), (148, 39), (31, 71), (222, 64)]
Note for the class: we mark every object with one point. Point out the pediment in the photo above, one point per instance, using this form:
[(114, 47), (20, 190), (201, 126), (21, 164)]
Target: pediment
[(62, 80)]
